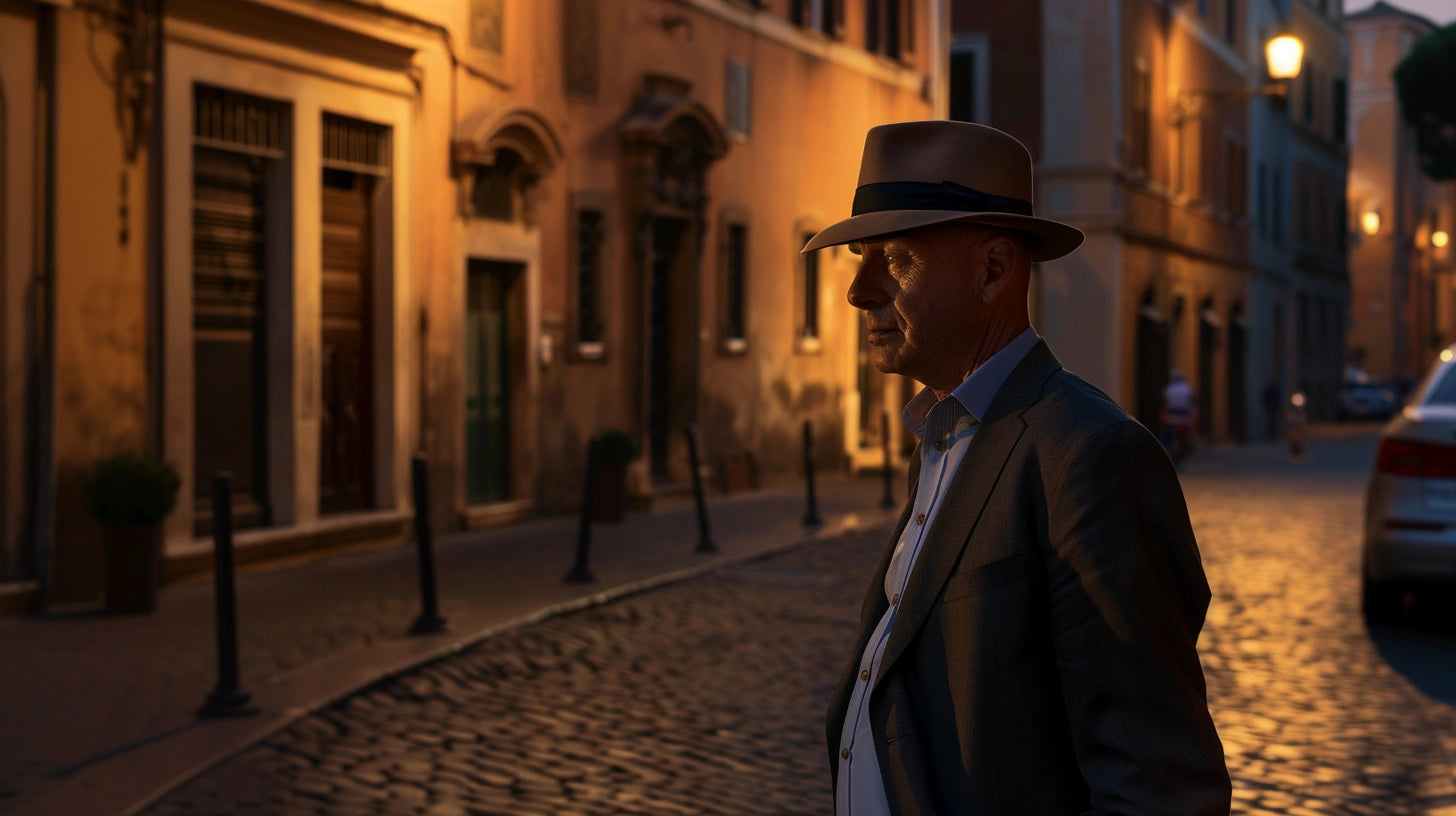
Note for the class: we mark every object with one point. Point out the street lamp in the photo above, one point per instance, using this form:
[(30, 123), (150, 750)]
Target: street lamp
[(1370, 222), (1284, 55)]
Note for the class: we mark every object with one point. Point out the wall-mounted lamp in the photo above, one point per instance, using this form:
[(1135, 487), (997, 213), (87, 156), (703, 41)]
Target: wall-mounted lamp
[(1285, 55), (1370, 222), (1439, 239)]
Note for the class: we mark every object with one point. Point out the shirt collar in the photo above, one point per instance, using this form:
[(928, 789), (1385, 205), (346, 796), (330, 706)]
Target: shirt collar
[(975, 393)]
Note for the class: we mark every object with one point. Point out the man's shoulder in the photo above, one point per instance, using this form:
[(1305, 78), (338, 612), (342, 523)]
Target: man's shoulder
[(1072, 407)]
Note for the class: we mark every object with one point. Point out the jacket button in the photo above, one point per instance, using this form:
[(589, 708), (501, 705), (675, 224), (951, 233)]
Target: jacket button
[(864, 675), (895, 599), (920, 519), (940, 446), (844, 753)]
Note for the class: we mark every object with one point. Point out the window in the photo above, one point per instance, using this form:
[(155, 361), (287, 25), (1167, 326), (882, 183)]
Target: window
[(487, 25), (970, 81), (1339, 107), (581, 47), (735, 273), (1308, 94), (499, 187), (890, 27), (738, 106), (808, 295), (1230, 22), (1276, 202), (1236, 170), (824, 16), (590, 235), (1139, 135), (1261, 206)]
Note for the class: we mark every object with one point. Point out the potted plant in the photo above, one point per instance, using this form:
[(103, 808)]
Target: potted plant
[(130, 494), (615, 450)]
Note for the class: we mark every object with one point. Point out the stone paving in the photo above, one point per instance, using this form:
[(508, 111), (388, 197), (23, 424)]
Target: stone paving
[(706, 697)]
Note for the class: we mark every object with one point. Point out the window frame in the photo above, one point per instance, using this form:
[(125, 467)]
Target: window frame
[(807, 266), (584, 350), (730, 343), (978, 47)]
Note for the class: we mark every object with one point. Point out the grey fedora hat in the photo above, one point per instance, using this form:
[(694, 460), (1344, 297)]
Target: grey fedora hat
[(914, 174)]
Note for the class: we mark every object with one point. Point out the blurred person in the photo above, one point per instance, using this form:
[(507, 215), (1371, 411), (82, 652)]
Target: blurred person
[(1180, 412), (1273, 405), (1028, 641)]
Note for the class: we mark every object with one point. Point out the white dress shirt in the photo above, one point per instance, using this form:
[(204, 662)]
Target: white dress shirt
[(945, 428)]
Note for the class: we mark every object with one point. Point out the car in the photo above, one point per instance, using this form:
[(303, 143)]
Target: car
[(1365, 400), (1410, 500)]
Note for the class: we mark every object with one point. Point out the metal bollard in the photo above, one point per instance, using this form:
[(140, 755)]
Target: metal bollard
[(888, 501), (580, 573), (811, 513), (705, 541), (429, 622), (227, 700)]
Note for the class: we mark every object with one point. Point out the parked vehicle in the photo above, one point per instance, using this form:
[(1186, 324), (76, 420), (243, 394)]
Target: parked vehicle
[(1365, 401), (1410, 503)]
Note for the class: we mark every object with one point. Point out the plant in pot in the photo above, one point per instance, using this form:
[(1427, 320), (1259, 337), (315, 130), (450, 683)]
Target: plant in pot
[(615, 450), (130, 494)]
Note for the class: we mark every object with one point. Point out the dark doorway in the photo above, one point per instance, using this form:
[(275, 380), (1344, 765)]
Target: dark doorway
[(230, 396), (490, 326), (346, 425), (1152, 365), (1238, 340), (1207, 351), (671, 389)]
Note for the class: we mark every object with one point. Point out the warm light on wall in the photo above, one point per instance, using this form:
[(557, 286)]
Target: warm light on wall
[(1439, 239), (1285, 54), (1370, 222)]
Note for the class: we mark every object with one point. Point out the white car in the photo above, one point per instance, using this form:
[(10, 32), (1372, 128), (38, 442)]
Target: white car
[(1410, 504)]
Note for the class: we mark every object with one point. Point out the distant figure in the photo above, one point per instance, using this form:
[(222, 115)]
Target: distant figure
[(1028, 641), (1273, 405), (1180, 409)]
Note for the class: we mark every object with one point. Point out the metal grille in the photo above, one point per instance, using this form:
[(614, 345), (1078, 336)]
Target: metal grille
[(238, 121), (352, 144)]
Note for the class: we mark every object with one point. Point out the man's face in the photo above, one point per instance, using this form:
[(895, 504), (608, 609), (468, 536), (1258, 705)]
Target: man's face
[(921, 295)]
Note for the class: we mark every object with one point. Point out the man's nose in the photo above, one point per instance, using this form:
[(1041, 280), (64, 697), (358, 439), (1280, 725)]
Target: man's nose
[(864, 292)]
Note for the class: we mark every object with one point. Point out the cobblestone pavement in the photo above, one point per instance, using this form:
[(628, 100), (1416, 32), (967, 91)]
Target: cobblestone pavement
[(706, 697)]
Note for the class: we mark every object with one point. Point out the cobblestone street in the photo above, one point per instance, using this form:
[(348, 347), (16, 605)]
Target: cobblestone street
[(706, 697)]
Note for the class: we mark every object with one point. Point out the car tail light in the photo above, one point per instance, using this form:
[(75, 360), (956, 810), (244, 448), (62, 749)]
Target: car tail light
[(1403, 457)]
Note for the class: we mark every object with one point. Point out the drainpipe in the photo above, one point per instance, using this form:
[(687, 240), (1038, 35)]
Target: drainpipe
[(156, 286), (40, 464)]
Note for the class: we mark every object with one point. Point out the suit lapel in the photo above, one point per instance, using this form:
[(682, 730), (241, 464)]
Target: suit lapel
[(966, 496)]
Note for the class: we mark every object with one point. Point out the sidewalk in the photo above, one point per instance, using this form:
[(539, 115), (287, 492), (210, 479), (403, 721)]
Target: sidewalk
[(100, 712)]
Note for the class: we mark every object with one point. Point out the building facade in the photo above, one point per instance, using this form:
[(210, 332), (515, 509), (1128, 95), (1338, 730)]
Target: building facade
[(1185, 193), (304, 242), (1401, 314)]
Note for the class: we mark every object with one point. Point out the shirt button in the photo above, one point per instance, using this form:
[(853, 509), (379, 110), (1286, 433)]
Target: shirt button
[(940, 446), (844, 753), (864, 675), (920, 519)]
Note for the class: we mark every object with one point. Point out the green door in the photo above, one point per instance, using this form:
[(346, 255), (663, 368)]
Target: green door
[(488, 385)]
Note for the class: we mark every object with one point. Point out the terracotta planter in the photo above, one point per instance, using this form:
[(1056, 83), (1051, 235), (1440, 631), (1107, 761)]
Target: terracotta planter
[(610, 493), (133, 567)]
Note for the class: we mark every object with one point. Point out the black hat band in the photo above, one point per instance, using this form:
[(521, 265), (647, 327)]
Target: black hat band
[(925, 195)]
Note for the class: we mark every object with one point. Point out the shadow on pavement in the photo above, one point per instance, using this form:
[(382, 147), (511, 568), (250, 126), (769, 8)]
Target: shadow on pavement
[(1423, 646)]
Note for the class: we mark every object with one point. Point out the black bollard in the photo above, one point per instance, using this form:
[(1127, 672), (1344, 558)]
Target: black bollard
[(580, 573), (888, 501), (429, 622), (227, 700), (705, 541), (811, 514)]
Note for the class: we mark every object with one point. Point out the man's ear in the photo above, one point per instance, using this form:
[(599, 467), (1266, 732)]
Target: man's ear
[(1004, 259)]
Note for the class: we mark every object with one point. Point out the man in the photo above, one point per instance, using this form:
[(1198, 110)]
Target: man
[(1179, 414), (1027, 645)]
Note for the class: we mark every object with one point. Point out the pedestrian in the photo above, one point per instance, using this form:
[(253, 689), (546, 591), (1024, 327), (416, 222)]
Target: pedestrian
[(1179, 413), (1027, 644), (1273, 407)]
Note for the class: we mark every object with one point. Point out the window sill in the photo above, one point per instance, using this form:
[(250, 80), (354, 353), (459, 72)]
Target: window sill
[(591, 352), (733, 347), (808, 345)]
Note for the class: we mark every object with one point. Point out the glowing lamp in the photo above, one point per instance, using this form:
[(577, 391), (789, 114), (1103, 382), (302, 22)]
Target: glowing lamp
[(1439, 239), (1370, 222), (1285, 54)]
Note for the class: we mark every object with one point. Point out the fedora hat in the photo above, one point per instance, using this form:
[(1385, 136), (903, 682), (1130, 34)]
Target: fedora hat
[(915, 174)]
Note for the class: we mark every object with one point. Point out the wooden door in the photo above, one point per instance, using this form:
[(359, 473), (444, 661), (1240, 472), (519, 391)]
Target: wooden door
[(346, 427)]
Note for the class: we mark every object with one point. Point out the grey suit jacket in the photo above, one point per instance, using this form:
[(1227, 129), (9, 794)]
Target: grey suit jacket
[(1043, 660)]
